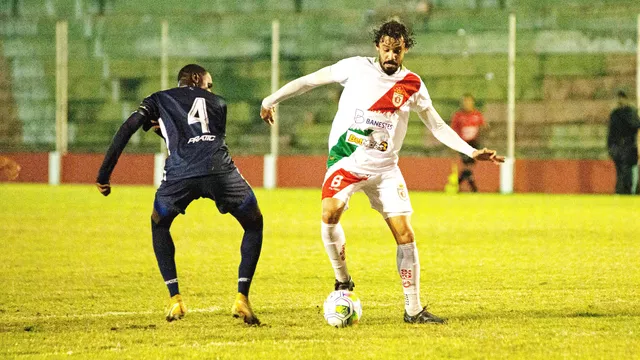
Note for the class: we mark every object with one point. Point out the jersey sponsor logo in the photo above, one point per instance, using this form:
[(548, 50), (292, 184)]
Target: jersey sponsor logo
[(197, 139), (360, 118), (360, 140)]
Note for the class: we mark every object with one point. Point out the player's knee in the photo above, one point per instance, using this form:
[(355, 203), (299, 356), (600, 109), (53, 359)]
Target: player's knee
[(406, 236), (332, 211), (162, 219), (257, 221), (331, 216), (249, 214)]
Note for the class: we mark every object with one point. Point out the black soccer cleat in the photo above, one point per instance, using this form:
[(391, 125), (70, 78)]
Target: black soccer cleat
[(423, 317), (347, 285)]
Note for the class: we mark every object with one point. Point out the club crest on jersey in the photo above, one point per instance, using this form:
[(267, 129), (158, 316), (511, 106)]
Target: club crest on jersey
[(402, 192), (398, 97)]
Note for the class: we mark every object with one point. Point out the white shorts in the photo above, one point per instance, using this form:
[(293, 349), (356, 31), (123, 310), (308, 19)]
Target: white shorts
[(387, 191)]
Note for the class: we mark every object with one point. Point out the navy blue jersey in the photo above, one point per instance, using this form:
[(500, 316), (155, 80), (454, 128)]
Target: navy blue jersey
[(193, 123)]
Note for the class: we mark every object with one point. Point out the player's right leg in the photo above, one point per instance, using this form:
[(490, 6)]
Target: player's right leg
[(339, 185), (335, 242), (172, 198)]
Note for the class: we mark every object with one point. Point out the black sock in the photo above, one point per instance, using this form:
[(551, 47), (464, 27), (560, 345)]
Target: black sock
[(472, 183), (249, 216), (165, 254)]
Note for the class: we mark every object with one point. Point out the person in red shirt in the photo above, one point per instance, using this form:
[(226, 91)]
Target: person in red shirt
[(467, 122)]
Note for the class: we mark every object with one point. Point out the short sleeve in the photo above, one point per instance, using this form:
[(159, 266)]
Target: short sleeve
[(341, 70), (422, 99)]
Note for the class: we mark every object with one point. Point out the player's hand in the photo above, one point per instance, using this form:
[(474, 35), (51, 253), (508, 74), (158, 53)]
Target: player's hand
[(155, 126), (488, 155), (267, 114), (105, 189)]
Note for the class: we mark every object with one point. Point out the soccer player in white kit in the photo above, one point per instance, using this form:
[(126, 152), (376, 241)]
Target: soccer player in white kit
[(366, 136)]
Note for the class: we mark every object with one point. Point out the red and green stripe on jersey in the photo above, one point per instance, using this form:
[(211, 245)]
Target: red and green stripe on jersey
[(390, 102), (397, 95), (345, 146)]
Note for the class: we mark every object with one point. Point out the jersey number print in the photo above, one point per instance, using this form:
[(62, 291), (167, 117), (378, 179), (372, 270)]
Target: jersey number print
[(198, 114)]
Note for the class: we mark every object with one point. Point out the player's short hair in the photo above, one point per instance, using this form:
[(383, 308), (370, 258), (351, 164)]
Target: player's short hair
[(468, 95), (396, 30), (185, 74)]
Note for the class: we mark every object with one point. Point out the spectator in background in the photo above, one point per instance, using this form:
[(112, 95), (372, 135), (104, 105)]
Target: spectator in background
[(467, 123), (622, 143)]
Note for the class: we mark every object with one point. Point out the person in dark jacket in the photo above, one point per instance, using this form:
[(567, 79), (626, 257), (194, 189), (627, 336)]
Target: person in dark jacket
[(622, 143)]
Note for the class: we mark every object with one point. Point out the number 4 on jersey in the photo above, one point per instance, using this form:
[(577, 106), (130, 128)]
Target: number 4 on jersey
[(198, 114)]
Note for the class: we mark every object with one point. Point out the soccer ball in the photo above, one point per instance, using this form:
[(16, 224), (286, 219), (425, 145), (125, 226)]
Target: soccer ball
[(342, 308)]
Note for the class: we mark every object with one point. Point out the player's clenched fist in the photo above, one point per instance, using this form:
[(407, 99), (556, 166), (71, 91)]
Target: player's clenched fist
[(267, 114), (105, 189)]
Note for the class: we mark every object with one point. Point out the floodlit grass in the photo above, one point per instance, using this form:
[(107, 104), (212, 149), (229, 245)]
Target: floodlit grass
[(523, 276)]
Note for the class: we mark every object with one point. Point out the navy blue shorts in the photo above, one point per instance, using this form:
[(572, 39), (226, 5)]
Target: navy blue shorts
[(228, 190)]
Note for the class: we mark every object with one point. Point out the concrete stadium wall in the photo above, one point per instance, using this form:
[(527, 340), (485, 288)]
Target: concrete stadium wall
[(421, 173)]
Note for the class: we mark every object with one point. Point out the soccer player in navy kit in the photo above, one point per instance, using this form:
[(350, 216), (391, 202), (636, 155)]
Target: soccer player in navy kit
[(192, 121)]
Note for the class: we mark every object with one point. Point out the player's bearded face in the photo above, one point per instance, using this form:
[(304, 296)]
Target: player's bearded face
[(390, 53)]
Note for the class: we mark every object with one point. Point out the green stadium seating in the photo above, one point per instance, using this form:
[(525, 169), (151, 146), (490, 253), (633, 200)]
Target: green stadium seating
[(574, 53)]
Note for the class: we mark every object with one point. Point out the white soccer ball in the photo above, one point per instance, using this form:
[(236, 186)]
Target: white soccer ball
[(342, 308)]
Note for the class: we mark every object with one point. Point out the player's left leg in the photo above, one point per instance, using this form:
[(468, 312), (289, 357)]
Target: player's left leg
[(250, 218), (408, 264), (391, 198), (233, 194)]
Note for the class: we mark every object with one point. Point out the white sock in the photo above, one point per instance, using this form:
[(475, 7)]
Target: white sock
[(334, 243), (409, 270)]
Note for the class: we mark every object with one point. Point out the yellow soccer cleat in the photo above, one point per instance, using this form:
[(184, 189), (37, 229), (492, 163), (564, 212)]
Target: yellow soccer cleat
[(242, 309), (177, 309)]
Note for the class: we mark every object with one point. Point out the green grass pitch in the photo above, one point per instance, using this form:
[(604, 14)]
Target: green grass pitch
[(521, 276)]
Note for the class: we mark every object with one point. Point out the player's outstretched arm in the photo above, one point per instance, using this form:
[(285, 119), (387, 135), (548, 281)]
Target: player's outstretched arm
[(294, 88), (120, 140)]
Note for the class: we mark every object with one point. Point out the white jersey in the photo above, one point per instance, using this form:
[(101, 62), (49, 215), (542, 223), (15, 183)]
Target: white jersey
[(373, 113)]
